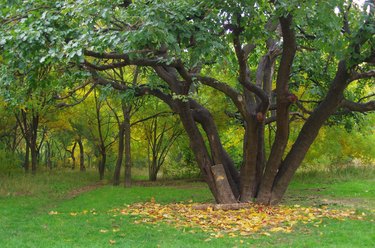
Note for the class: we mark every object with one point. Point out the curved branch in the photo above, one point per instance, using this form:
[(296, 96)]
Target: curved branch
[(126, 60), (358, 107), (363, 75), (236, 97), (64, 105), (140, 90), (106, 66), (70, 93), (265, 102)]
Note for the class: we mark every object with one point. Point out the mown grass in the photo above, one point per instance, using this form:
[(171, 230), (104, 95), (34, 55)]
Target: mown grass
[(26, 201)]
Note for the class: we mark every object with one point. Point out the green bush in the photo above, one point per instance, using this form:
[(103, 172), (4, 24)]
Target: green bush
[(9, 161)]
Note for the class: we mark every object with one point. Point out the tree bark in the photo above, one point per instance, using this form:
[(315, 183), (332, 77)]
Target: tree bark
[(153, 170), (248, 168), (222, 183)]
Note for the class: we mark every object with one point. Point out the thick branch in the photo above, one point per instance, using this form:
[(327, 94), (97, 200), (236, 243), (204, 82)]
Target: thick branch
[(363, 75), (358, 107), (265, 102)]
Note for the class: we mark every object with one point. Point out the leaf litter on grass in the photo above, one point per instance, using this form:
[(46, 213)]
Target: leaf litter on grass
[(250, 219)]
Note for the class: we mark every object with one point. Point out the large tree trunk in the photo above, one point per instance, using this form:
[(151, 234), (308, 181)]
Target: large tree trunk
[(309, 132), (218, 153), (201, 154), (248, 168)]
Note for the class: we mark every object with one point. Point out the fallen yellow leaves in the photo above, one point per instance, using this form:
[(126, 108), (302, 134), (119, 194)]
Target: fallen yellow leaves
[(243, 222)]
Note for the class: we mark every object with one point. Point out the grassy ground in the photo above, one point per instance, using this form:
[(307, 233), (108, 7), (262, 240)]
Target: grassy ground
[(27, 205)]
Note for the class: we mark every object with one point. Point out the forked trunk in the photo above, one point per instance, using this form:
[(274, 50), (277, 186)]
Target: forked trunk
[(153, 170)]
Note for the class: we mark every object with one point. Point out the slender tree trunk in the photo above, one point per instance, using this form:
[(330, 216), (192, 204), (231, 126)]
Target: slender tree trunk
[(102, 163), (26, 164), (33, 143), (120, 152), (153, 170), (89, 160), (34, 159), (72, 156), (48, 155), (81, 155), (128, 160)]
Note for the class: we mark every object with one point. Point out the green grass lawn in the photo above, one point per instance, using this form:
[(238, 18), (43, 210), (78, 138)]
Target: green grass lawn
[(26, 203)]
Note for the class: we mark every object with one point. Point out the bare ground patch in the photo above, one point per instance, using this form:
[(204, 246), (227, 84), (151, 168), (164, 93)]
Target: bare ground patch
[(78, 191)]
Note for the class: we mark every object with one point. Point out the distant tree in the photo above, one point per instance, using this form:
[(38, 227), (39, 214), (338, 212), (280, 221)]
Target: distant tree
[(161, 133), (128, 106)]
